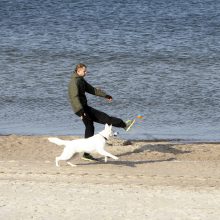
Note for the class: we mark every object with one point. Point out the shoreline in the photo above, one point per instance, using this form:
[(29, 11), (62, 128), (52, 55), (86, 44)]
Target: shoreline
[(173, 140)]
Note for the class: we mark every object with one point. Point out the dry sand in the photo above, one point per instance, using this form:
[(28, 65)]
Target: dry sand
[(151, 180)]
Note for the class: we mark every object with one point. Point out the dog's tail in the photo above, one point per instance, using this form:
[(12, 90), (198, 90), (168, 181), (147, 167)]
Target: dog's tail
[(57, 141)]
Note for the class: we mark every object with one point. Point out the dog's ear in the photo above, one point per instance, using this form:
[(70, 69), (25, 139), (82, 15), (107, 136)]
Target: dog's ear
[(106, 126)]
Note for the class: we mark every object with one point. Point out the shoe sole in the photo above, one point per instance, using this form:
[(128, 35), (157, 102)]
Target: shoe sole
[(130, 125)]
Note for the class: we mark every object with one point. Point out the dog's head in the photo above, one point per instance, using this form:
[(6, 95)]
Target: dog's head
[(108, 130)]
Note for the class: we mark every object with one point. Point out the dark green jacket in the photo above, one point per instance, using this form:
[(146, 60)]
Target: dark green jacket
[(77, 89)]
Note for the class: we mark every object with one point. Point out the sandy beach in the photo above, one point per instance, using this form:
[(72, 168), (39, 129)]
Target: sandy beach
[(151, 180)]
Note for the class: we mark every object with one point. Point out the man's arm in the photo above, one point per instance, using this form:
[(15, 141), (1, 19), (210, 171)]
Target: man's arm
[(94, 91)]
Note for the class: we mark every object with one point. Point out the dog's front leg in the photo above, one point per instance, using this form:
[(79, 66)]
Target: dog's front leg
[(107, 154)]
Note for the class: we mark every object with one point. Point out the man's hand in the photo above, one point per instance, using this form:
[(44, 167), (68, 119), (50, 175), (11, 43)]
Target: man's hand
[(108, 97), (83, 115)]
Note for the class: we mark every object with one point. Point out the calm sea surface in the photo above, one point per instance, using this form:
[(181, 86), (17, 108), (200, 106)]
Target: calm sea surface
[(159, 59)]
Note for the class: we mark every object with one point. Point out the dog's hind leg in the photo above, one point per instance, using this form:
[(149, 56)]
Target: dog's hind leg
[(66, 155), (57, 161), (107, 154), (72, 165)]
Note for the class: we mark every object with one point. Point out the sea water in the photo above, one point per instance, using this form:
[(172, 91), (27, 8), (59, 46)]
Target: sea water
[(158, 59)]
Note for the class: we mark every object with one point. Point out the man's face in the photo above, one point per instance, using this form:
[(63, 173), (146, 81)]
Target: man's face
[(81, 71)]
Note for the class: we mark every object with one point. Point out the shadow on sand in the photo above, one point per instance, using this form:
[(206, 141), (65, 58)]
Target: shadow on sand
[(163, 148)]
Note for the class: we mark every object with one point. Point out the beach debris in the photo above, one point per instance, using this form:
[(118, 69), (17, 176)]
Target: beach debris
[(127, 142)]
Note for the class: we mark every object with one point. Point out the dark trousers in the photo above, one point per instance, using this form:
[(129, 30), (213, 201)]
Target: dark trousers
[(93, 115)]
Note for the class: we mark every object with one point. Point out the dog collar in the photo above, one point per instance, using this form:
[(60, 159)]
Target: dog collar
[(104, 137)]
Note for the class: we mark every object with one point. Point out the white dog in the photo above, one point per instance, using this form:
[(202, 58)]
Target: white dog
[(88, 145)]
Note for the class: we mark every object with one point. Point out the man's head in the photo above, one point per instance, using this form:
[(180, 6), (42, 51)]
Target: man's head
[(81, 69)]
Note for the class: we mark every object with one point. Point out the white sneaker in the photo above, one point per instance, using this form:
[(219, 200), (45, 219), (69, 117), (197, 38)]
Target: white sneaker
[(129, 124)]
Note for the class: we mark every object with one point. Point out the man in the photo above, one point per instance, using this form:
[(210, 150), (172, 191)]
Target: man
[(76, 90)]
